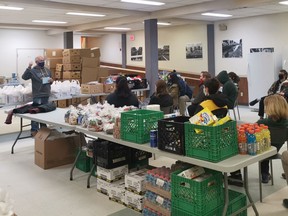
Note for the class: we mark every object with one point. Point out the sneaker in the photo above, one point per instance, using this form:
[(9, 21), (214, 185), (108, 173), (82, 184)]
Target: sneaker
[(252, 103), (283, 176), (285, 203), (265, 178), (235, 180)]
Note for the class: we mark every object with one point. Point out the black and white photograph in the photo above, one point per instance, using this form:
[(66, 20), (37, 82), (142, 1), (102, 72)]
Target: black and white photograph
[(253, 50), (232, 49), (194, 51), (136, 54), (164, 53)]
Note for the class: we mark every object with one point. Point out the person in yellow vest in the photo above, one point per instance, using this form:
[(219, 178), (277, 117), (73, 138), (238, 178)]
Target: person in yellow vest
[(214, 100)]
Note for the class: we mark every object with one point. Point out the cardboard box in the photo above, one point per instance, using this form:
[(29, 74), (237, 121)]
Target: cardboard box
[(62, 103), (103, 186), (103, 72), (94, 52), (58, 75), (72, 59), (92, 88), (134, 201), (71, 75), (59, 67), (135, 181), (72, 67), (53, 148), (90, 62), (52, 62), (108, 88), (53, 53), (117, 192), (111, 175), (71, 52), (89, 74)]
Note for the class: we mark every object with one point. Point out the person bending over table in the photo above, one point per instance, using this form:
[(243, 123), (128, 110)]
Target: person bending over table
[(41, 79), (122, 95)]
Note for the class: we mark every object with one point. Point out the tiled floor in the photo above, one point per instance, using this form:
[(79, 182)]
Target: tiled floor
[(50, 192)]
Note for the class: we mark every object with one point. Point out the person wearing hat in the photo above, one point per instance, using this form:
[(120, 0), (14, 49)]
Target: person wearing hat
[(122, 96)]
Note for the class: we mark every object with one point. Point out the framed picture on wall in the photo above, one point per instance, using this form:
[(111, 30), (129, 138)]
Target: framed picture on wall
[(136, 54), (164, 53), (252, 50), (232, 49), (194, 51)]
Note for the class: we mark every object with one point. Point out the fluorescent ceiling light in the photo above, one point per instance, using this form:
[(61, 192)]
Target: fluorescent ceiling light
[(216, 14), (85, 14), (284, 2), (163, 23), (144, 2), (116, 28), (10, 8), (46, 21)]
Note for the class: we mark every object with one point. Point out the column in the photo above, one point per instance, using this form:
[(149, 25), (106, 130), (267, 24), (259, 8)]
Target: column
[(124, 50), (211, 49), (68, 40)]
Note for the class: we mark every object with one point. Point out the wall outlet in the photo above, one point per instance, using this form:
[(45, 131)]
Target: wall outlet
[(241, 94)]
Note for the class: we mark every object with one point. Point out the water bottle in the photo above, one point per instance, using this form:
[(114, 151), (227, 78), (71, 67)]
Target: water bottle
[(251, 143)]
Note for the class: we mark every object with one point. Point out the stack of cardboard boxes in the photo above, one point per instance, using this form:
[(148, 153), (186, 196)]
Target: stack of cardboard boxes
[(71, 64), (52, 58)]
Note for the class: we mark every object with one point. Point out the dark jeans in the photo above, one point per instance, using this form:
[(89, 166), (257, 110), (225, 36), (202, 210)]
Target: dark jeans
[(38, 101), (265, 163)]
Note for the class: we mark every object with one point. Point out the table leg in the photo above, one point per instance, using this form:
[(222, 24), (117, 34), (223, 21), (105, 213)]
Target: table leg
[(18, 137), (91, 172), (226, 194), (78, 155), (247, 191)]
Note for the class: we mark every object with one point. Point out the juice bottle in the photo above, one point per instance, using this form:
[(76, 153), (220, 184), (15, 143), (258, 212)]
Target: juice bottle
[(267, 138), (259, 140), (242, 142), (251, 143)]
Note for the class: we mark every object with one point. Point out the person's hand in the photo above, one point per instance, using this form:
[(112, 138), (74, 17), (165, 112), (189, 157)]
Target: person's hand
[(30, 64)]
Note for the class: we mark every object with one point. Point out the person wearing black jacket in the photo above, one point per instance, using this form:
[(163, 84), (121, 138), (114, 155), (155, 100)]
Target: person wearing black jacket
[(122, 96), (214, 100)]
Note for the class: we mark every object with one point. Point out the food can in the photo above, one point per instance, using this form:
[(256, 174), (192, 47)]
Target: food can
[(153, 138)]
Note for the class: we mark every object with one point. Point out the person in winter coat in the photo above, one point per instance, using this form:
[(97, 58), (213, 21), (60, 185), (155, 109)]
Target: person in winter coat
[(229, 88), (204, 75), (122, 95), (162, 97), (214, 100), (41, 79), (180, 91)]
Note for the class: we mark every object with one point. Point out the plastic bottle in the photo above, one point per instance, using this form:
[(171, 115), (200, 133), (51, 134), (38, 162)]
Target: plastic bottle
[(251, 143), (259, 140), (267, 138), (242, 142)]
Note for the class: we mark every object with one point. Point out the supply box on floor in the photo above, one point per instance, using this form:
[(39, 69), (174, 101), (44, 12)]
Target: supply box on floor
[(53, 148)]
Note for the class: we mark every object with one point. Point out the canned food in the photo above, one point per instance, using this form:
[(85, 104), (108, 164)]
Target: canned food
[(153, 138)]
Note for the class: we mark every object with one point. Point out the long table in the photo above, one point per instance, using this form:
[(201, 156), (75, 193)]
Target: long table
[(231, 164)]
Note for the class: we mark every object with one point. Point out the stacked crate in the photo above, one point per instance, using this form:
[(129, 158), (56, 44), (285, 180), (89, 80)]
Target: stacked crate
[(52, 58), (58, 72)]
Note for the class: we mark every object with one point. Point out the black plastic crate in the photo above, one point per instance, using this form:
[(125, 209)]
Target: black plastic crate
[(136, 155), (110, 155), (171, 134)]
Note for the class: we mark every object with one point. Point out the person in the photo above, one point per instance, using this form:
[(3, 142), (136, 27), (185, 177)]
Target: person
[(274, 88), (284, 159), (180, 91), (162, 97), (229, 89), (41, 79), (276, 108), (235, 78), (204, 75), (122, 96), (214, 100)]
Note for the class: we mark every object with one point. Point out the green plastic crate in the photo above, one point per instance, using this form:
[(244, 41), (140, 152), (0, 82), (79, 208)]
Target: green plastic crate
[(197, 198), (211, 143), (137, 124), (237, 200), (84, 163), (180, 212)]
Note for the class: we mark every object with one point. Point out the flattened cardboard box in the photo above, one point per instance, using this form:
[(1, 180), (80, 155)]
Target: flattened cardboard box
[(89, 74), (55, 152), (90, 62)]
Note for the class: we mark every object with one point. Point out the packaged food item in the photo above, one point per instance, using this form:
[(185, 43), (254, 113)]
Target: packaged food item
[(193, 172), (204, 117), (222, 121)]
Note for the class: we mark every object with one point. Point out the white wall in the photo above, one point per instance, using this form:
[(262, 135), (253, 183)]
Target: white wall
[(11, 40), (255, 32), (177, 38)]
